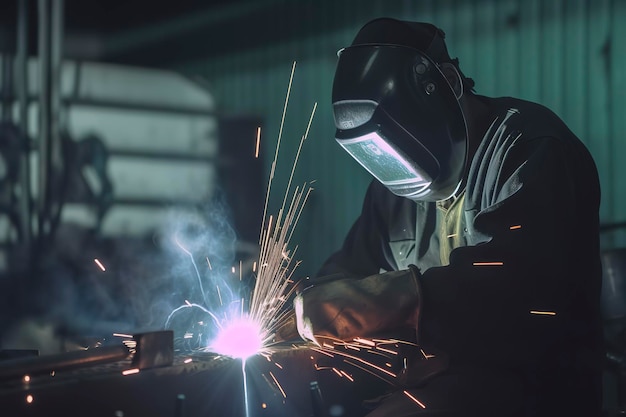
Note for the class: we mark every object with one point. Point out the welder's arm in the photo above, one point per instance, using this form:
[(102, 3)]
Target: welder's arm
[(349, 307), (509, 298), (534, 286)]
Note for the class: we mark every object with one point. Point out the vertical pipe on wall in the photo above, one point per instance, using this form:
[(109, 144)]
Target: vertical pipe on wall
[(44, 139), (56, 56), (6, 87), (50, 48), (56, 153), (21, 77)]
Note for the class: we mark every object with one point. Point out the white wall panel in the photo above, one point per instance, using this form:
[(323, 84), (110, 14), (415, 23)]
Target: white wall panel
[(145, 130), (162, 179), (160, 135)]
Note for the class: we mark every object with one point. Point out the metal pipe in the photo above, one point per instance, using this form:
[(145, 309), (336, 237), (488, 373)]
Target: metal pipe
[(22, 96), (56, 169), (43, 184), (62, 361), (6, 88), (56, 67)]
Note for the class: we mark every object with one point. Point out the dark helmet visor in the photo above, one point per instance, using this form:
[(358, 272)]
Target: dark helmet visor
[(397, 115)]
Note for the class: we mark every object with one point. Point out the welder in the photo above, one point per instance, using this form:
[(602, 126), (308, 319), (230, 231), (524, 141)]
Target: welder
[(479, 231)]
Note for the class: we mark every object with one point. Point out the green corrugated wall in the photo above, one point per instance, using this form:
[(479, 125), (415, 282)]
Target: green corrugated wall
[(569, 55)]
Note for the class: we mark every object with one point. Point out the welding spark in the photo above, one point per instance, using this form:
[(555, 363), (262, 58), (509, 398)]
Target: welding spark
[(240, 338), (258, 142), (193, 262), (130, 371), (282, 391), (408, 394), (358, 359), (193, 305), (497, 263), (377, 364), (426, 355), (99, 264), (365, 341), (274, 283), (219, 294), (130, 344), (344, 373), (544, 313), (330, 355), (363, 368), (241, 333), (390, 351)]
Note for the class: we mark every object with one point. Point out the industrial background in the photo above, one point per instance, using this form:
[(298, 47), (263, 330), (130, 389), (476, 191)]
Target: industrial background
[(132, 121), (563, 54)]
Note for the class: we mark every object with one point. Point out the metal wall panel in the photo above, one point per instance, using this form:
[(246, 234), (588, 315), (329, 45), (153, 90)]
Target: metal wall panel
[(564, 54), (618, 113)]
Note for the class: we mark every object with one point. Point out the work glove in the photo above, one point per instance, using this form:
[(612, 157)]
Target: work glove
[(346, 307), (287, 330), (349, 307)]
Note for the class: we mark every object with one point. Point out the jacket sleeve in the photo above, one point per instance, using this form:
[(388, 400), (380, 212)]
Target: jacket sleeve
[(529, 294)]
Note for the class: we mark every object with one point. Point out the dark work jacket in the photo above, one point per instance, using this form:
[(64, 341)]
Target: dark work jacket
[(511, 267)]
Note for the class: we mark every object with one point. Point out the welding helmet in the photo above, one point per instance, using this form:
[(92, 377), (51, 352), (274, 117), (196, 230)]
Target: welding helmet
[(395, 111)]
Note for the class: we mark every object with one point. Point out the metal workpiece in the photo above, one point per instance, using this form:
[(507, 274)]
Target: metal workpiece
[(153, 349), (18, 368), (196, 383), (143, 350)]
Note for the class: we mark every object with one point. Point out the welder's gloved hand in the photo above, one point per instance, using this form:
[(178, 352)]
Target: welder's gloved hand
[(288, 329), (359, 307)]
